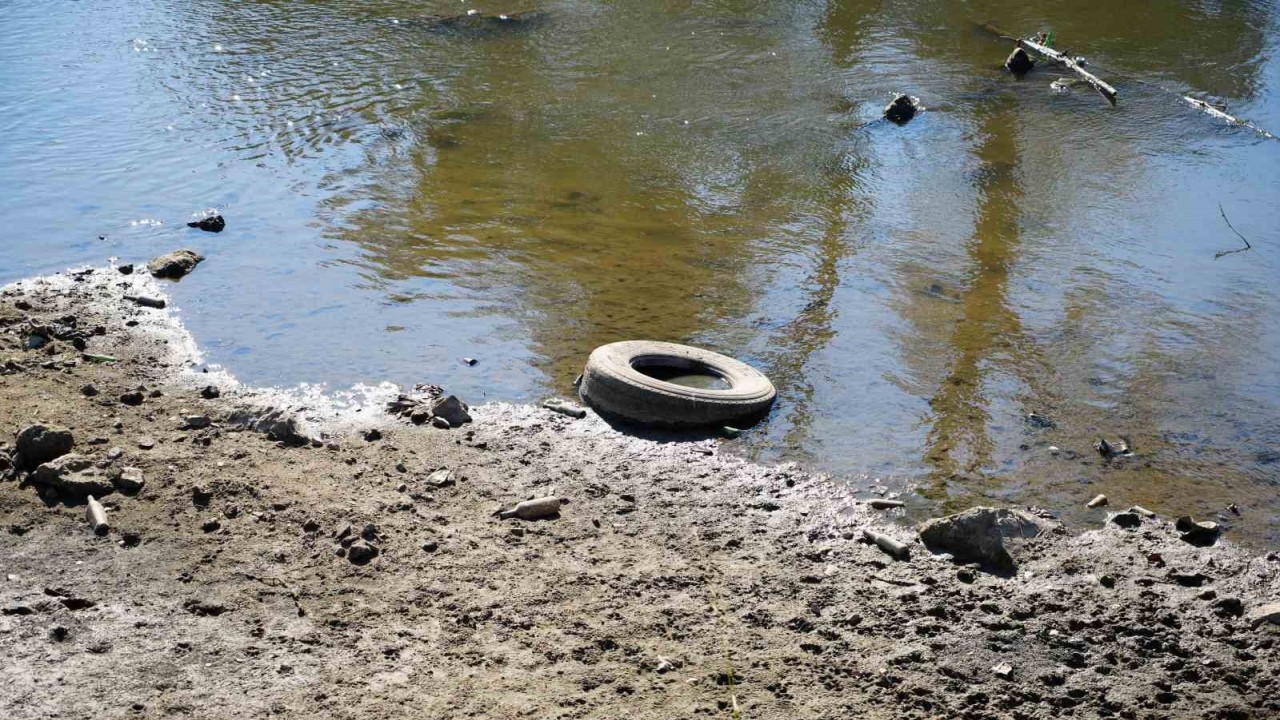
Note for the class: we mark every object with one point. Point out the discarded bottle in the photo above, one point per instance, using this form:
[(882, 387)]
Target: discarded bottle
[(564, 407), (1097, 502), (145, 301), (536, 509), (888, 544), (881, 504), (96, 515)]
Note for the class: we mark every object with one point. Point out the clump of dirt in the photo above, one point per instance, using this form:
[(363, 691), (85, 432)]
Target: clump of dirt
[(260, 562)]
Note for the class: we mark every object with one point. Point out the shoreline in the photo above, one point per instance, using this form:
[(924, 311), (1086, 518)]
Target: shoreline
[(677, 582)]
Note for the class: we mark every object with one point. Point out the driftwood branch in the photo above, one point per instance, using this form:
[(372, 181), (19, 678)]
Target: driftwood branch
[(1219, 114), (1247, 246), (1201, 105), (1071, 63)]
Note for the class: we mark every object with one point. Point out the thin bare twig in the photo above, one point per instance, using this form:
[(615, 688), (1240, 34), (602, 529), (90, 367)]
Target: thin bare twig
[(1247, 246)]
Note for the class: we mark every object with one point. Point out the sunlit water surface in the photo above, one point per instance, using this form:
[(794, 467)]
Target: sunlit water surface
[(401, 194)]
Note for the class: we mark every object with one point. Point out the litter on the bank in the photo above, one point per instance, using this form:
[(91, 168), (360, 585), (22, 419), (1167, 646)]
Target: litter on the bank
[(96, 515), (884, 542), (537, 509), (564, 407)]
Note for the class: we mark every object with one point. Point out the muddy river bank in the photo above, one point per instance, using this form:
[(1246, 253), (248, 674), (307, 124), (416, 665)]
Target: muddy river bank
[(274, 554)]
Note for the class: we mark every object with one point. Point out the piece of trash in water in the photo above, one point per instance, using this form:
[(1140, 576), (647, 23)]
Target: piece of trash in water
[(536, 509), (470, 361), (730, 432), (1063, 84), (1038, 421), (1097, 501), (902, 109), (882, 504), (1121, 448)]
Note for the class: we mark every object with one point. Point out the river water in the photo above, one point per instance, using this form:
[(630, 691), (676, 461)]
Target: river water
[(401, 194)]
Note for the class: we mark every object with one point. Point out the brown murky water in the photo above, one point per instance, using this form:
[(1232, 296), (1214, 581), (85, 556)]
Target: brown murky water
[(402, 194)]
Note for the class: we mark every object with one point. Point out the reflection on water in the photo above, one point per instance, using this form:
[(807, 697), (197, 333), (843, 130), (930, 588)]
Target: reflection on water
[(402, 192)]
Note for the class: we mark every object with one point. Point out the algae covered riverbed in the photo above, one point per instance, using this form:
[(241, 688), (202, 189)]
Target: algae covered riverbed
[(402, 194)]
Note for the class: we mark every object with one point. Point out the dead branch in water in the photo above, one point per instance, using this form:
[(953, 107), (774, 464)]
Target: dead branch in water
[(1071, 63), (1247, 246), (1219, 114)]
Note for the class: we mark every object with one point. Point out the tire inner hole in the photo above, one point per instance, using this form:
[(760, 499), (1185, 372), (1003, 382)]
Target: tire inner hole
[(681, 371)]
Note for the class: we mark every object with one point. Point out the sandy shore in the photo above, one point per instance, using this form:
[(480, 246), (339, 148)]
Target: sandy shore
[(676, 583)]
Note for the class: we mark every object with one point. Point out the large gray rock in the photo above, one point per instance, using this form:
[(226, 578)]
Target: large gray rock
[(176, 264), (452, 410), (982, 535), (1264, 614), (39, 444), (276, 424), (74, 476), (130, 481)]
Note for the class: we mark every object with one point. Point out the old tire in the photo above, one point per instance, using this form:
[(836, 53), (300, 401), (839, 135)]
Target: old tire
[(613, 385)]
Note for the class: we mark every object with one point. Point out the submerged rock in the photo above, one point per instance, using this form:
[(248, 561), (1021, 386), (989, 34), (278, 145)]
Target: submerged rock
[(1019, 62), (474, 22), (902, 109), (212, 223), (980, 535), (176, 264)]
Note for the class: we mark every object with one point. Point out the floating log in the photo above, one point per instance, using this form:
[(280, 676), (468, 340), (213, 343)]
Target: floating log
[(1072, 64), (1219, 114)]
